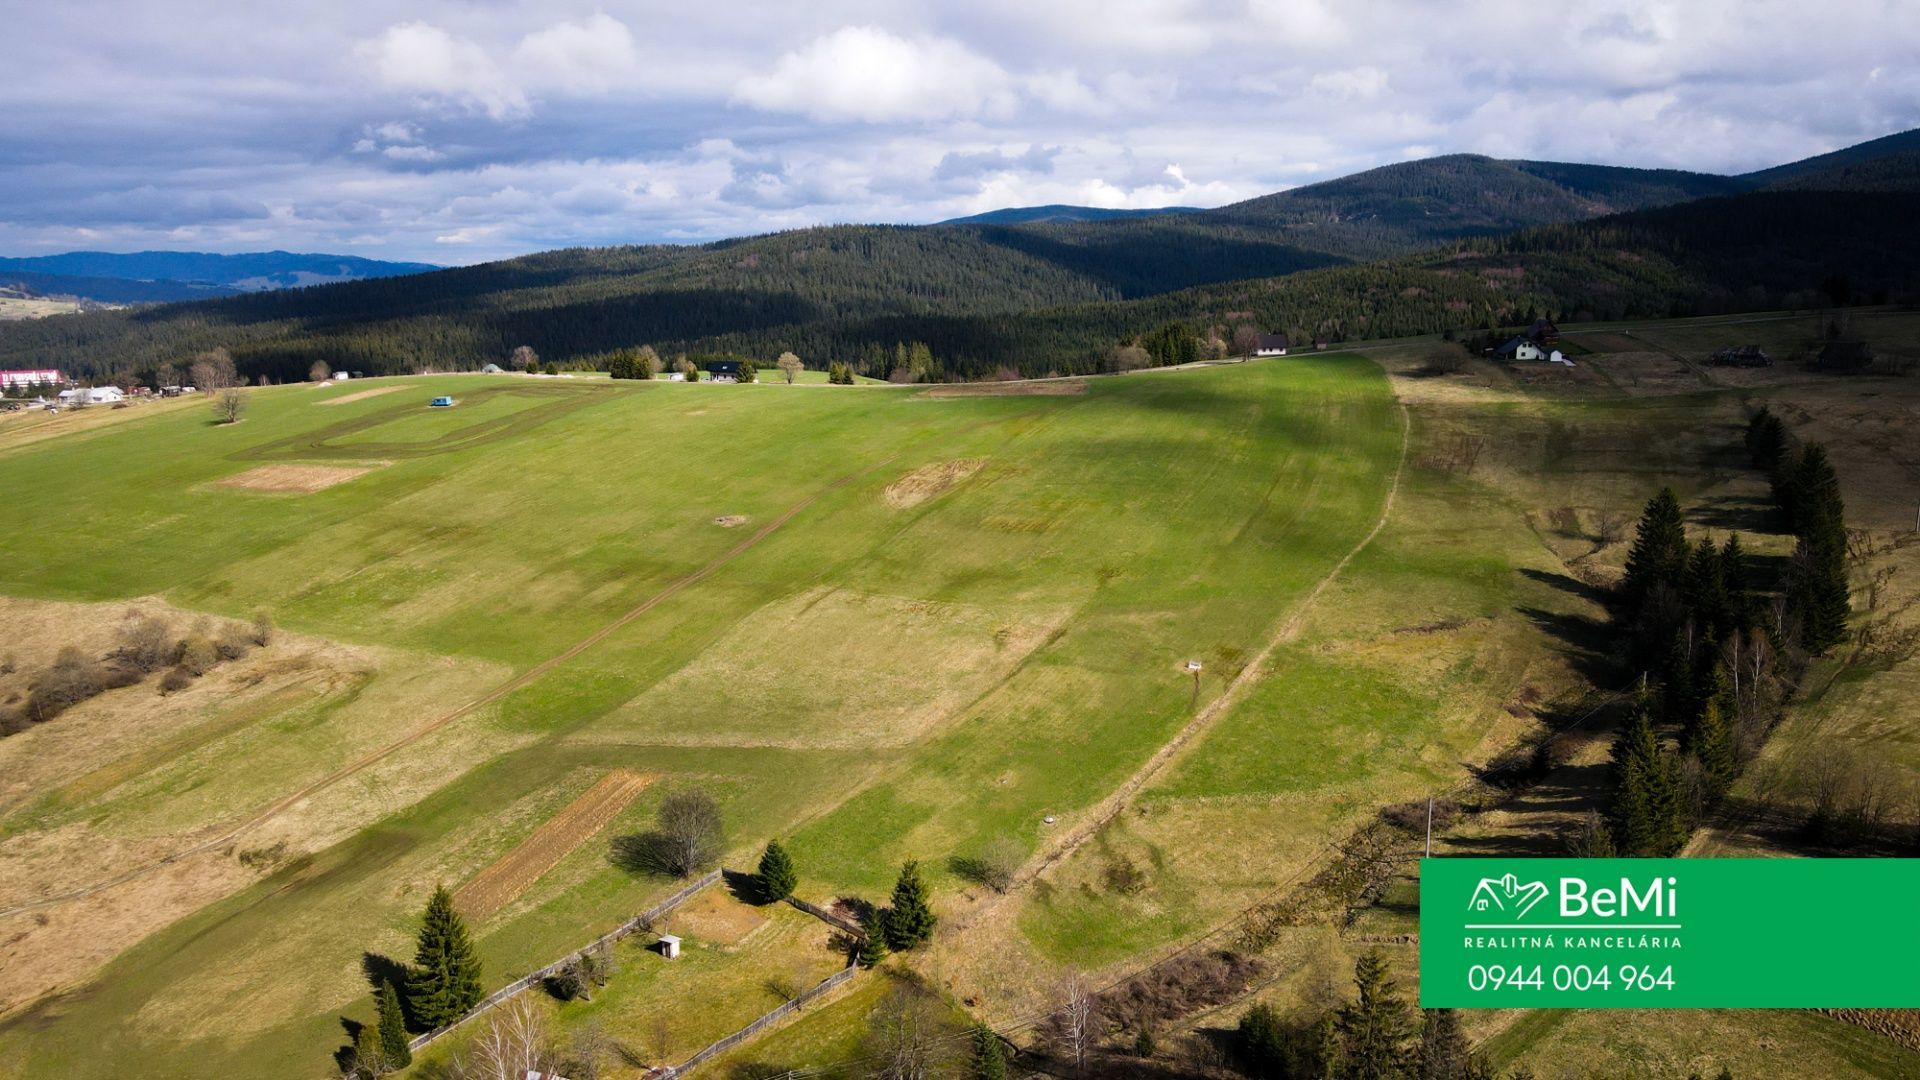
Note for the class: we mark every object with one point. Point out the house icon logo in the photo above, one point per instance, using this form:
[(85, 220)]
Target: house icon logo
[(1506, 895)]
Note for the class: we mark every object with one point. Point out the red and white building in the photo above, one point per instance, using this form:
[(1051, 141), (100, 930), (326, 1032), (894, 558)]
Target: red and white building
[(31, 377)]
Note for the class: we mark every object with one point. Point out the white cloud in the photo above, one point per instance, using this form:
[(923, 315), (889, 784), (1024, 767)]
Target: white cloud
[(590, 57), (420, 58), (866, 73), (1362, 83)]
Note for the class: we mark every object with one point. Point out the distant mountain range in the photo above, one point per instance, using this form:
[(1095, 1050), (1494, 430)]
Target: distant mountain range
[(1454, 242), (149, 276)]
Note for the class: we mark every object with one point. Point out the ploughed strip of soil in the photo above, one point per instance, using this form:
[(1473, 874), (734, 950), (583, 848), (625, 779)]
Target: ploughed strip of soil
[(360, 395), (513, 873), (296, 479), (927, 481)]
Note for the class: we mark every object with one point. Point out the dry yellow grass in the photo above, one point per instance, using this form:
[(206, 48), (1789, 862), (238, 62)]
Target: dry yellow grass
[(715, 916), (497, 885), (928, 481), (362, 395), (295, 479), (132, 777), (738, 693)]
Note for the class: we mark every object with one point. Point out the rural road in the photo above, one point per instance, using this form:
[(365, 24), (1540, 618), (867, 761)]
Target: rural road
[(1110, 807)]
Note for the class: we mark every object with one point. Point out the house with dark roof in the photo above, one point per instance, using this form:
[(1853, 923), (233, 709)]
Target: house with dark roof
[(723, 371), (1270, 345), (1543, 332)]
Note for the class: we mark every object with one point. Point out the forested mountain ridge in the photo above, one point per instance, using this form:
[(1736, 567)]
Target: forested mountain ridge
[(1043, 297), (146, 276)]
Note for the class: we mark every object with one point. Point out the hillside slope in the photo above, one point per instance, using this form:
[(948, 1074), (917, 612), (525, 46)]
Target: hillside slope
[(204, 271), (1056, 296)]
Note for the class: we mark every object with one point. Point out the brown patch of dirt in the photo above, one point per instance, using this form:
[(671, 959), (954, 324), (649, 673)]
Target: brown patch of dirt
[(296, 479), (730, 521), (513, 873), (1050, 388), (361, 395), (713, 915), (928, 481)]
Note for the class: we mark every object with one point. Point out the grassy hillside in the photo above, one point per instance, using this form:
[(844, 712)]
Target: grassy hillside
[(856, 677)]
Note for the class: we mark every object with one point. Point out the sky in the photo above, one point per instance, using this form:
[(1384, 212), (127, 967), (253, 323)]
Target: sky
[(460, 131)]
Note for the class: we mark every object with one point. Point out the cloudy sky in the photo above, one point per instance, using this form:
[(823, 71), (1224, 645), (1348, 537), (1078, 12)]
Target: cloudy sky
[(458, 131)]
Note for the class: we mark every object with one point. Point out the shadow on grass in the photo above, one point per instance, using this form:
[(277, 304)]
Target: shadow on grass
[(644, 853)]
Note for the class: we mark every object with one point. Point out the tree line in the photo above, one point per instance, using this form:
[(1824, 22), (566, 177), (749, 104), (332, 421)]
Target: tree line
[(1721, 649)]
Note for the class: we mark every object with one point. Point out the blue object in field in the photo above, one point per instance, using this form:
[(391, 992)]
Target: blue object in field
[(441, 402)]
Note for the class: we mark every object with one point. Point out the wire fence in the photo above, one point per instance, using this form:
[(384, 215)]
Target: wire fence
[(638, 922), (795, 1005)]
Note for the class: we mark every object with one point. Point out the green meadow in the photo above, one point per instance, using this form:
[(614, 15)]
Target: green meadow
[(872, 678)]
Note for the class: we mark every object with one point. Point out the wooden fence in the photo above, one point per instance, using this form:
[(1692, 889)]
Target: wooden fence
[(859, 932), (637, 922), (748, 1032)]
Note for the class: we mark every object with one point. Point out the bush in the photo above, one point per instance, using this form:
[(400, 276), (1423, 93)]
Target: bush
[(198, 655), (175, 679), (73, 678), (146, 644), (996, 864), (262, 628), (233, 645)]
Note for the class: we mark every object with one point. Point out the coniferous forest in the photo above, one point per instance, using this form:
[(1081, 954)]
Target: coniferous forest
[(989, 300)]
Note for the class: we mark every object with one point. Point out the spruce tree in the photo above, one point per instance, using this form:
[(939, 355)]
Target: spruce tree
[(1734, 583), (1706, 589), (873, 937), (1645, 807), (445, 980), (1820, 591), (989, 1057), (909, 922), (1712, 746), (776, 877), (1443, 1053), (1659, 552), (393, 1027), (369, 1061), (1375, 1027)]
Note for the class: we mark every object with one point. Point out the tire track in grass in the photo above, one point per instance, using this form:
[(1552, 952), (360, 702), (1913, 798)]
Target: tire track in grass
[(518, 682), (1116, 802)]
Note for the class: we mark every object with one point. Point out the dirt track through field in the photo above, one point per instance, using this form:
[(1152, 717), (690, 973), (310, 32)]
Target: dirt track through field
[(513, 873), (523, 679), (1116, 802)]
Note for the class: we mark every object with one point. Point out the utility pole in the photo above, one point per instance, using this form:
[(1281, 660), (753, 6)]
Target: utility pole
[(1429, 827)]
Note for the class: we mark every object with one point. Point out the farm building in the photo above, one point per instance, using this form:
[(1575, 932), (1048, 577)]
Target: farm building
[(30, 377), (94, 395), (724, 371), (1520, 347), (1543, 332), (1270, 345)]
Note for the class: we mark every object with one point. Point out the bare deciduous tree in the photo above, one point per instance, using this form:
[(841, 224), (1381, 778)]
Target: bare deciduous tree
[(790, 366), (524, 359), (1245, 340), (904, 1039), (213, 370), (1128, 358), (651, 359), (514, 1042), (1076, 1020), (319, 372), (228, 404), (689, 822)]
